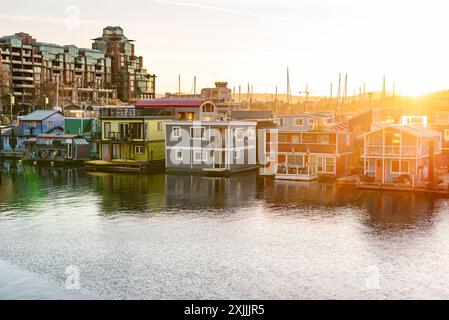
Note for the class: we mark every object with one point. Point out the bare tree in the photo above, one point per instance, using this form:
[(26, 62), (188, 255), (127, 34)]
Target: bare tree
[(5, 87)]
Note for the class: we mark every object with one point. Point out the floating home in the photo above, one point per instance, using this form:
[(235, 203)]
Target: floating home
[(57, 149), (400, 154), (438, 117), (133, 137), (305, 151), (211, 147), (33, 124)]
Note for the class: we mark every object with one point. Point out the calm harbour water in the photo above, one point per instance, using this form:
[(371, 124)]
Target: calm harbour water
[(190, 237)]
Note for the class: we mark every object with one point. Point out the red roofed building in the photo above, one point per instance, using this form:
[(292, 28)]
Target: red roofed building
[(179, 109)]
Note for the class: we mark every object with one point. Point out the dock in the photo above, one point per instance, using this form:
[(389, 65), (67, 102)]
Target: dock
[(130, 166)]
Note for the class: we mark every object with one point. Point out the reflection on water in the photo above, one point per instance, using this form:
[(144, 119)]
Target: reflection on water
[(182, 236)]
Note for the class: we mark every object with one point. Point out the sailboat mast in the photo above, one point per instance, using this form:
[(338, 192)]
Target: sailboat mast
[(289, 97), (338, 96)]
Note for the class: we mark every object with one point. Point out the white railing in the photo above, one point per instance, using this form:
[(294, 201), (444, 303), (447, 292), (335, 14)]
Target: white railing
[(390, 150)]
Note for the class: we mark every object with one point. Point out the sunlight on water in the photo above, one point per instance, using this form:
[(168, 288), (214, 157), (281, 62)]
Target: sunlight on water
[(165, 236)]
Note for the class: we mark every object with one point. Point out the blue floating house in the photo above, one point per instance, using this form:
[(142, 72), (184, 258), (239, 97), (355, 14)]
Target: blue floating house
[(31, 125)]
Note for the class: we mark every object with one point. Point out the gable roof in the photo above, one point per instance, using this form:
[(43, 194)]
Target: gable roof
[(18, 131), (39, 115), (416, 131)]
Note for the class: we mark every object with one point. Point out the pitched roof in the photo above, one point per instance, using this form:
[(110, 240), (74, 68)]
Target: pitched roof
[(18, 131), (178, 103), (39, 115), (413, 130), (59, 136)]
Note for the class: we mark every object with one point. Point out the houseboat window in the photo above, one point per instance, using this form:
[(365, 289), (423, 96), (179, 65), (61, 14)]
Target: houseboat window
[(295, 160), (283, 137), (392, 138), (347, 139), (159, 126), (238, 134), (176, 132), (403, 168), (197, 133), (236, 154), (323, 139), (208, 108), (311, 121), (320, 163), (295, 138), (299, 121), (133, 129), (139, 149), (145, 129), (442, 116), (200, 156), (69, 150), (251, 133), (179, 155), (330, 164), (123, 129), (50, 124)]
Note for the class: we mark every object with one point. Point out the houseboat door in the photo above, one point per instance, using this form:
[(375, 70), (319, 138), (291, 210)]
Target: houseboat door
[(105, 152), (69, 150), (379, 170), (115, 151)]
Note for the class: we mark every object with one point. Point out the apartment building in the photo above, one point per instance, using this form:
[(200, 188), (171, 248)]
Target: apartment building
[(65, 73), (128, 73)]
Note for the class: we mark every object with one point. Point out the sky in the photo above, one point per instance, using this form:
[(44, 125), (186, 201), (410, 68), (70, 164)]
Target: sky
[(254, 41)]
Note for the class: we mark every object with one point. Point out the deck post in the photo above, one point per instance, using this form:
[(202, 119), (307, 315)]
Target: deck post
[(431, 170)]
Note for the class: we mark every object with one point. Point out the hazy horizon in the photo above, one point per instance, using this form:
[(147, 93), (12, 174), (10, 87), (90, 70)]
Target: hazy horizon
[(254, 41)]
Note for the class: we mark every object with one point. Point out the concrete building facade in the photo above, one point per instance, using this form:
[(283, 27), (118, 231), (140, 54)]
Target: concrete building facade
[(128, 73)]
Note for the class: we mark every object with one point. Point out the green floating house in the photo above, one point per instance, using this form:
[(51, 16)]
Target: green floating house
[(89, 128)]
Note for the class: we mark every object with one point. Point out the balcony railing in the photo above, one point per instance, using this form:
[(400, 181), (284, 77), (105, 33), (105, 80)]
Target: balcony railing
[(123, 136), (390, 151), (120, 113)]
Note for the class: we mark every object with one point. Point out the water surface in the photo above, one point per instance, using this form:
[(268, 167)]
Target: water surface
[(189, 237)]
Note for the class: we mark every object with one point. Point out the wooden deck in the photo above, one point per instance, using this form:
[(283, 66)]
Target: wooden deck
[(422, 188), (123, 166), (297, 177)]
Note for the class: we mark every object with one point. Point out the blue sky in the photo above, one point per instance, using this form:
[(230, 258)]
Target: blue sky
[(254, 41)]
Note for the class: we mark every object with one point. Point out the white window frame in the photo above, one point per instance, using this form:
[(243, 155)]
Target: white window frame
[(203, 156), (299, 119), (237, 154), (401, 170), (145, 131), (160, 126), (251, 132), (324, 136), (176, 136), (237, 132), (311, 121), (177, 157), (347, 140), (140, 146), (334, 164)]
